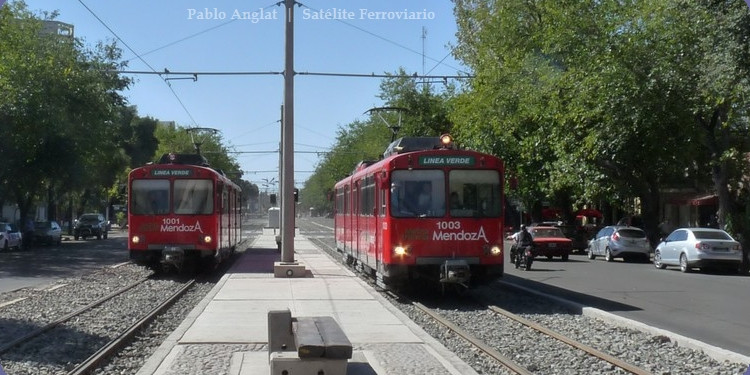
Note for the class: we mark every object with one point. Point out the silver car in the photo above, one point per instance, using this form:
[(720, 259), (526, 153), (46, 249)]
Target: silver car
[(698, 247), (10, 237), (620, 242), (48, 232)]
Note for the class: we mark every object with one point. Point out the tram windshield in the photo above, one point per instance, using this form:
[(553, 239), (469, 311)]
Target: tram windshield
[(418, 193), (193, 197), (422, 193), (475, 193), (149, 197)]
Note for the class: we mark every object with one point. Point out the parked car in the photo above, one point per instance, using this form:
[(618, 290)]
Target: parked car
[(48, 232), (578, 235), (550, 242), (619, 242), (703, 248), (90, 225), (10, 237)]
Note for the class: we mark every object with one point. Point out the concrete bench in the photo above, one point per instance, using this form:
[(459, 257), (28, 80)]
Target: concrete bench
[(306, 345)]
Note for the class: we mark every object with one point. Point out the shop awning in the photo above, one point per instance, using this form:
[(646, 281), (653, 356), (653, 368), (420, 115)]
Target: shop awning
[(551, 213), (706, 200), (695, 200), (589, 212)]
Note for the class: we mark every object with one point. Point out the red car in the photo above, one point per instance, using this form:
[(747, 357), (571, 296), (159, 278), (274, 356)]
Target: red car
[(551, 242)]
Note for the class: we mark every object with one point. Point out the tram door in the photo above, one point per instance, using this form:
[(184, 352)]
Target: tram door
[(368, 220), (379, 212), (357, 220)]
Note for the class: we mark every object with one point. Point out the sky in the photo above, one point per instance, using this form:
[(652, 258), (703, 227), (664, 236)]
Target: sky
[(330, 36)]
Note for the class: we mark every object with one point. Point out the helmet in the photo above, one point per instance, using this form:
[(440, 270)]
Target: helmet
[(523, 226)]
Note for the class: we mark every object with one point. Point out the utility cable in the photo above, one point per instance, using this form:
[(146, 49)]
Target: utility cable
[(142, 60), (386, 39)]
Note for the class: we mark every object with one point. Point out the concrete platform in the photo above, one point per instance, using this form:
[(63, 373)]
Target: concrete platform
[(227, 332)]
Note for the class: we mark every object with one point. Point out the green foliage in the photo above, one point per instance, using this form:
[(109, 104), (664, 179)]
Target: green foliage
[(426, 114), (68, 133), (181, 140), (58, 101), (599, 100)]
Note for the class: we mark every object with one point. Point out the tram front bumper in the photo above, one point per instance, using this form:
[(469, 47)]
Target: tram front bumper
[(455, 271), (174, 255)]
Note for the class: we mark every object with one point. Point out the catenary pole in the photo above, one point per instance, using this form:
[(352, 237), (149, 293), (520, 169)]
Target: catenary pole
[(287, 171)]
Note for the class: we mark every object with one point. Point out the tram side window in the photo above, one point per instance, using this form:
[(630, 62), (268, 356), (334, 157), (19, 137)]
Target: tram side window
[(224, 200), (418, 193), (149, 197), (193, 197), (367, 196), (475, 193)]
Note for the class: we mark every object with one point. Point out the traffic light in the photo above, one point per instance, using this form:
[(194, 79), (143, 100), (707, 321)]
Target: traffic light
[(296, 195), (272, 197)]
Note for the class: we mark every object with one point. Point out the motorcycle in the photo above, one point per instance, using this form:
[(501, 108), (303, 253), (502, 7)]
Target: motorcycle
[(524, 258)]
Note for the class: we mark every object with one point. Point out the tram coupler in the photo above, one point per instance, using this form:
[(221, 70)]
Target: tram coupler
[(455, 271), (173, 255)]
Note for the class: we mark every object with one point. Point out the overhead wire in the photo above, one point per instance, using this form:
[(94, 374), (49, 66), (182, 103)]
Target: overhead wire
[(387, 40), (181, 40), (142, 60), (195, 74), (193, 35)]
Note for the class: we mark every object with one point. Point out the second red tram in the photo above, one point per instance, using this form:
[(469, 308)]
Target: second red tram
[(182, 214), (426, 210)]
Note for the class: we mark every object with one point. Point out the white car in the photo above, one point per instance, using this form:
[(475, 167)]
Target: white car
[(698, 247), (10, 237), (620, 242)]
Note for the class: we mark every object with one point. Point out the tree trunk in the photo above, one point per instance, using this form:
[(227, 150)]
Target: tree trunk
[(51, 207), (720, 179), (650, 208), (717, 142)]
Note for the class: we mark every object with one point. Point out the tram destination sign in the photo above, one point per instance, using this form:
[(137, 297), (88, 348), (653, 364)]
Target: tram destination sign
[(171, 172), (440, 161)]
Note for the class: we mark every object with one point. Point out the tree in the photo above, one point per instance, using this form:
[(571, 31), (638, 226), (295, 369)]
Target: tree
[(57, 101), (136, 136), (600, 89), (426, 115)]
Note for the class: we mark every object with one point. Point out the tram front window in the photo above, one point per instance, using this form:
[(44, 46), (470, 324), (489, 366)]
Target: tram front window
[(193, 197), (149, 197), (418, 193), (475, 193)]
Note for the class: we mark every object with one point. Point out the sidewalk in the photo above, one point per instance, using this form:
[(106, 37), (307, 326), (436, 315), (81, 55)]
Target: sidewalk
[(227, 332)]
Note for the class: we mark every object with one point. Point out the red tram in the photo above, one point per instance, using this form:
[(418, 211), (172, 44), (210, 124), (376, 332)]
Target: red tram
[(425, 211), (182, 214)]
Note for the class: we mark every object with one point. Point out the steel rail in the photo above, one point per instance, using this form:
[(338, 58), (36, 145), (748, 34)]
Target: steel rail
[(507, 362), (67, 317), (595, 352), (119, 342)]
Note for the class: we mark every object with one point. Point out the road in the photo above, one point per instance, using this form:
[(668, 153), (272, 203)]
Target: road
[(712, 308), (45, 264)]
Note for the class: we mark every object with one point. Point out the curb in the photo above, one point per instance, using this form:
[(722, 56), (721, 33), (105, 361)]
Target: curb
[(715, 352)]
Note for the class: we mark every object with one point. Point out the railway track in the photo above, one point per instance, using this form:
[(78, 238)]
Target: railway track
[(49, 326), (87, 351), (515, 366)]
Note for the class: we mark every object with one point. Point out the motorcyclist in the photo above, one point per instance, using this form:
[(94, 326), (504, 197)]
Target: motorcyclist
[(523, 239)]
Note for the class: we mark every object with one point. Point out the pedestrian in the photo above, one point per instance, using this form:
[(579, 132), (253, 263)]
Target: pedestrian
[(665, 228), (28, 233)]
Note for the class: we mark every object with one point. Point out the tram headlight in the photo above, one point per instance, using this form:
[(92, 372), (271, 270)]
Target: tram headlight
[(135, 239), (399, 250), (446, 140), (207, 239), (496, 250)]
